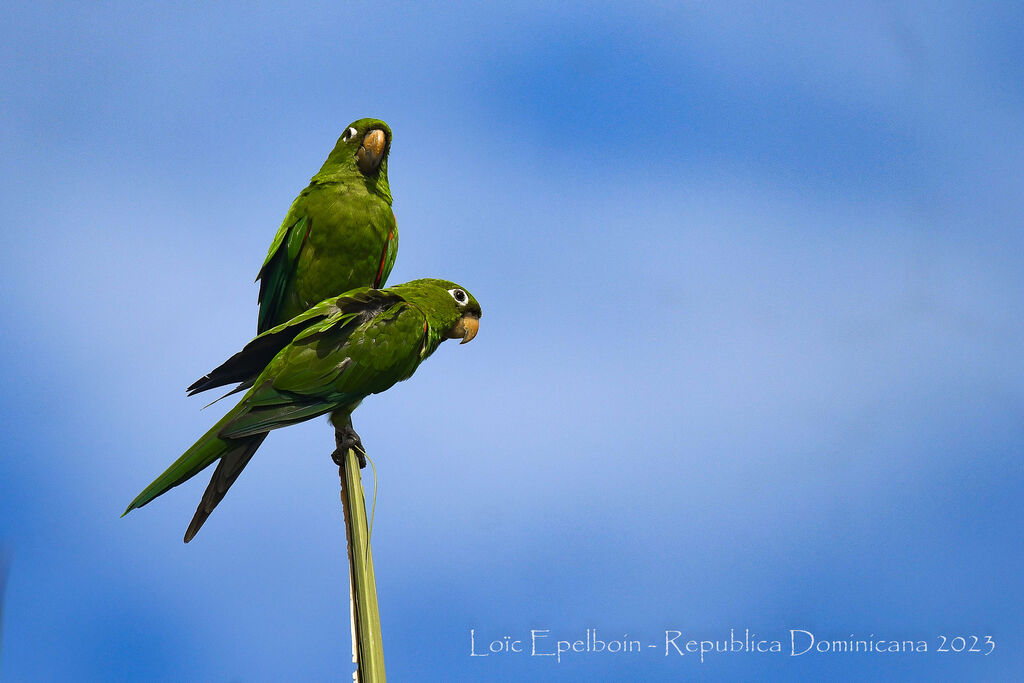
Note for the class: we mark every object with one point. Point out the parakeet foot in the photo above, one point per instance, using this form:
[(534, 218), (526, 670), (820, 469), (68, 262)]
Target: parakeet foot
[(345, 437)]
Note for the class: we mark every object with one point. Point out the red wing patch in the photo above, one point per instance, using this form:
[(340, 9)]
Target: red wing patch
[(383, 260), (309, 226)]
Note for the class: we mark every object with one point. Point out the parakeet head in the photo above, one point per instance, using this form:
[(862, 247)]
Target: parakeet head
[(451, 310), (361, 152), (363, 146)]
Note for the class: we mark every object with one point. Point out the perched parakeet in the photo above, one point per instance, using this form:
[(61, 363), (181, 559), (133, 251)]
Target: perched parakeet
[(325, 361), (339, 233)]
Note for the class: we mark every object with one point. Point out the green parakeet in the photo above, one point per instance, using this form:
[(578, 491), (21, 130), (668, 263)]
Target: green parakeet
[(326, 360), (340, 232)]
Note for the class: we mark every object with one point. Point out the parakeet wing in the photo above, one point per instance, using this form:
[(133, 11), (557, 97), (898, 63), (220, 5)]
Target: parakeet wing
[(247, 364), (279, 266), (333, 364)]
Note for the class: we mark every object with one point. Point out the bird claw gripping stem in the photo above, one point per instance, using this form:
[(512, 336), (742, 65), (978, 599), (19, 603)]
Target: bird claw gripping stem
[(345, 438)]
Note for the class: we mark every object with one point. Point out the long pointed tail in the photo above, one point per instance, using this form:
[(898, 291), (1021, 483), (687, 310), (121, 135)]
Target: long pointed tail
[(228, 469), (203, 452)]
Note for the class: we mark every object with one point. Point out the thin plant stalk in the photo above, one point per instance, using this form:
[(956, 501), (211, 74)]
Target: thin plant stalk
[(367, 648)]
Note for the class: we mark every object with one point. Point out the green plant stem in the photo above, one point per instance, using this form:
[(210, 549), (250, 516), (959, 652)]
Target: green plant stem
[(367, 648)]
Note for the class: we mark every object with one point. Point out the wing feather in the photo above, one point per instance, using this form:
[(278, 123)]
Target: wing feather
[(246, 365), (279, 266)]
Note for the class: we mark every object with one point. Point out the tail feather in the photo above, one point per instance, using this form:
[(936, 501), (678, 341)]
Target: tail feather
[(203, 452), (230, 466)]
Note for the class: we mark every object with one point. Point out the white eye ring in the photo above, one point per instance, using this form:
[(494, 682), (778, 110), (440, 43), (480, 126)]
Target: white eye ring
[(460, 296), (348, 134)]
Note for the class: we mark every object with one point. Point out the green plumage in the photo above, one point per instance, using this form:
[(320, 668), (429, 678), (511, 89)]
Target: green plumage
[(339, 233), (326, 360)]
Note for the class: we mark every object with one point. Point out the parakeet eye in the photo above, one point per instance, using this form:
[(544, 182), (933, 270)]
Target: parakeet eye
[(460, 296), (348, 134)]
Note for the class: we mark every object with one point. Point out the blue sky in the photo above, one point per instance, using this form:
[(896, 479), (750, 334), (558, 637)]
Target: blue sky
[(750, 357)]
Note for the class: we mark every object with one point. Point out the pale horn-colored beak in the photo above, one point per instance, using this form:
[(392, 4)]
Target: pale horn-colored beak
[(372, 151), (466, 328)]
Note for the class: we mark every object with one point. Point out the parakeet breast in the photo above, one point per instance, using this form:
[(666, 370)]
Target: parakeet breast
[(345, 248)]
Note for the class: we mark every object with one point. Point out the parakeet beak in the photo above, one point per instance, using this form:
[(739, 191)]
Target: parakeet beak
[(372, 151), (466, 328)]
